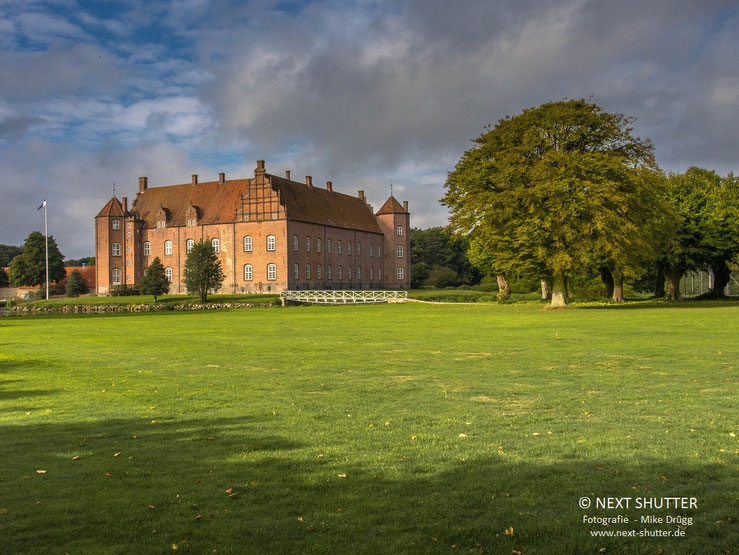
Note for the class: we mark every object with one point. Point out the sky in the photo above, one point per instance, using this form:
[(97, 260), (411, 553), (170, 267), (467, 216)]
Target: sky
[(361, 93)]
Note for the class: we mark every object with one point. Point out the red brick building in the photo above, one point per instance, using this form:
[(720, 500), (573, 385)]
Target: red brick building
[(270, 233)]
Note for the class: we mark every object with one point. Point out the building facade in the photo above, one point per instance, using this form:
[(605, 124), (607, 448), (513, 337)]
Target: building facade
[(270, 234)]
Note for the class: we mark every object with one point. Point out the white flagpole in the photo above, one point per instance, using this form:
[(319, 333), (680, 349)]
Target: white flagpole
[(46, 235)]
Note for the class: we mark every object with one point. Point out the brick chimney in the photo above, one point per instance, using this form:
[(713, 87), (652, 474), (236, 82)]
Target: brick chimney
[(361, 195), (309, 181), (259, 170), (287, 175), (143, 183), (194, 179), (221, 177), (405, 205), (124, 202), (329, 186)]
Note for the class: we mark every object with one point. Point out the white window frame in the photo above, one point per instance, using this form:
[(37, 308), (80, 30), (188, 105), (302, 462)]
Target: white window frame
[(399, 230), (248, 272), (168, 248), (115, 224), (296, 243), (372, 273), (168, 274), (216, 244), (318, 271), (338, 247), (271, 272), (348, 273), (296, 271), (147, 248), (271, 243), (328, 246), (399, 273), (248, 243), (116, 277), (328, 272), (115, 249), (359, 273), (338, 273), (399, 251), (318, 244), (307, 271), (348, 248), (307, 244), (189, 244)]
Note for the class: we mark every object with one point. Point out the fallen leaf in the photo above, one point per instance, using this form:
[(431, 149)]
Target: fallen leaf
[(41, 472), (300, 518), (536, 434), (229, 491), (116, 454), (602, 550), (509, 532), (462, 435), (516, 552), (3, 511), (150, 506), (253, 483), (198, 517), (211, 439), (108, 474), (174, 546), (341, 475), (76, 458), (197, 480)]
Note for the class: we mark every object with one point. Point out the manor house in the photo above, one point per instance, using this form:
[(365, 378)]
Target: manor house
[(270, 233)]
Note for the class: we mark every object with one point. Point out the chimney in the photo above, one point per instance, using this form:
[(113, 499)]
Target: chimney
[(259, 170), (329, 186), (287, 175), (361, 195), (405, 205), (194, 179), (143, 182), (124, 201), (221, 177), (309, 181)]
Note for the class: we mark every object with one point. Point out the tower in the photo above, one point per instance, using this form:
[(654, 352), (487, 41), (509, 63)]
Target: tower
[(394, 220), (109, 246)]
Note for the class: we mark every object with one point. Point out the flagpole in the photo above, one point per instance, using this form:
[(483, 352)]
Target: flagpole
[(46, 235)]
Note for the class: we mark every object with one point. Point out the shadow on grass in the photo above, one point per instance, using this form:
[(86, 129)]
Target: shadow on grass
[(142, 485)]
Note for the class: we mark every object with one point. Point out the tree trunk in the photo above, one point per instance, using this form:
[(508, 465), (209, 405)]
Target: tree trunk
[(618, 286), (721, 278), (659, 286), (559, 291), (673, 282), (607, 278), (546, 289), (504, 289)]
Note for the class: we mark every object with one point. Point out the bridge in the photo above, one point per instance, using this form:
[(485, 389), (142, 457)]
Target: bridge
[(370, 296)]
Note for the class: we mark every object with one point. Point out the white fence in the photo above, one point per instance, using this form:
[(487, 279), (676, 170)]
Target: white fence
[(371, 296)]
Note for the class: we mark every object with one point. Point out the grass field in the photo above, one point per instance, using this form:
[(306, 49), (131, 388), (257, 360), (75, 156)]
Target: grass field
[(370, 429)]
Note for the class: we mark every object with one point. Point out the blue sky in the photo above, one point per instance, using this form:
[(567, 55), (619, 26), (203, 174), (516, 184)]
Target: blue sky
[(356, 92)]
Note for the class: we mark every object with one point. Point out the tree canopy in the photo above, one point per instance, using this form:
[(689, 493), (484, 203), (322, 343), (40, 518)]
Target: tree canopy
[(549, 190), (203, 271), (4, 281), (155, 280), (29, 268), (76, 285), (8, 253), (435, 248)]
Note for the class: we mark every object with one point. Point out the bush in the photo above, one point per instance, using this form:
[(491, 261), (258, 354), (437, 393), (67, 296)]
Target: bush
[(441, 276), (76, 285)]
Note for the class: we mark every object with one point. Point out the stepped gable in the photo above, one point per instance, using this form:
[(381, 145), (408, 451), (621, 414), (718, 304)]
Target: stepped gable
[(112, 208), (216, 202), (317, 205), (392, 206)]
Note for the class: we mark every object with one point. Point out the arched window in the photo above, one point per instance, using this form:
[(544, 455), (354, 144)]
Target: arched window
[(116, 249), (168, 273), (399, 251), (399, 230), (372, 273), (379, 251), (248, 274), (216, 244), (296, 243), (116, 224), (296, 271), (349, 273), (271, 244), (359, 249), (189, 245), (328, 272), (168, 247), (338, 273), (147, 248), (116, 276), (399, 273), (328, 246), (372, 250), (247, 243), (318, 244), (338, 247), (307, 244), (348, 248), (307, 271), (271, 272), (359, 273), (318, 272)]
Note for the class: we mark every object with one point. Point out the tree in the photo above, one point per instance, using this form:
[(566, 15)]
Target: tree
[(75, 284), (546, 191), (437, 246), (4, 281), (203, 271), (86, 261), (155, 281), (8, 253), (29, 268)]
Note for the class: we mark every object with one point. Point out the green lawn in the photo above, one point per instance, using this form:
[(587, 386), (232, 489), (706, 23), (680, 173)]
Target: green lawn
[(369, 429)]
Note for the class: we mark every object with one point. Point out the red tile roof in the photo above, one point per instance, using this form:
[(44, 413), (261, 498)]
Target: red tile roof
[(113, 208), (392, 206)]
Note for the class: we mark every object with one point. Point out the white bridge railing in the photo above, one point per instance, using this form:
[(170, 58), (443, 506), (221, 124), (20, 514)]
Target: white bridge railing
[(344, 297)]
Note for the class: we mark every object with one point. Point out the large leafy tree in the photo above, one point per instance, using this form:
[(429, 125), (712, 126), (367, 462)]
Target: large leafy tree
[(546, 191), (437, 247), (4, 281), (8, 253), (155, 280), (29, 268), (203, 271)]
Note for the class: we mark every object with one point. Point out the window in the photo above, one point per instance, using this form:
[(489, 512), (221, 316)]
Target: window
[(399, 273), (349, 273), (116, 249), (147, 248), (399, 230), (318, 244), (318, 272), (359, 273), (161, 224), (248, 274), (296, 243), (307, 244), (271, 271), (399, 251), (338, 273), (128, 263), (271, 245), (216, 244), (348, 248), (328, 272), (189, 223), (372, 249), (379, 253), (189, 245), (116, 224), (328, 246), (168, 273), (307, 271), (338, 247), (359, 249), (116, 276), (247, 243), (296, 271), (372, 273), (168, 247)]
